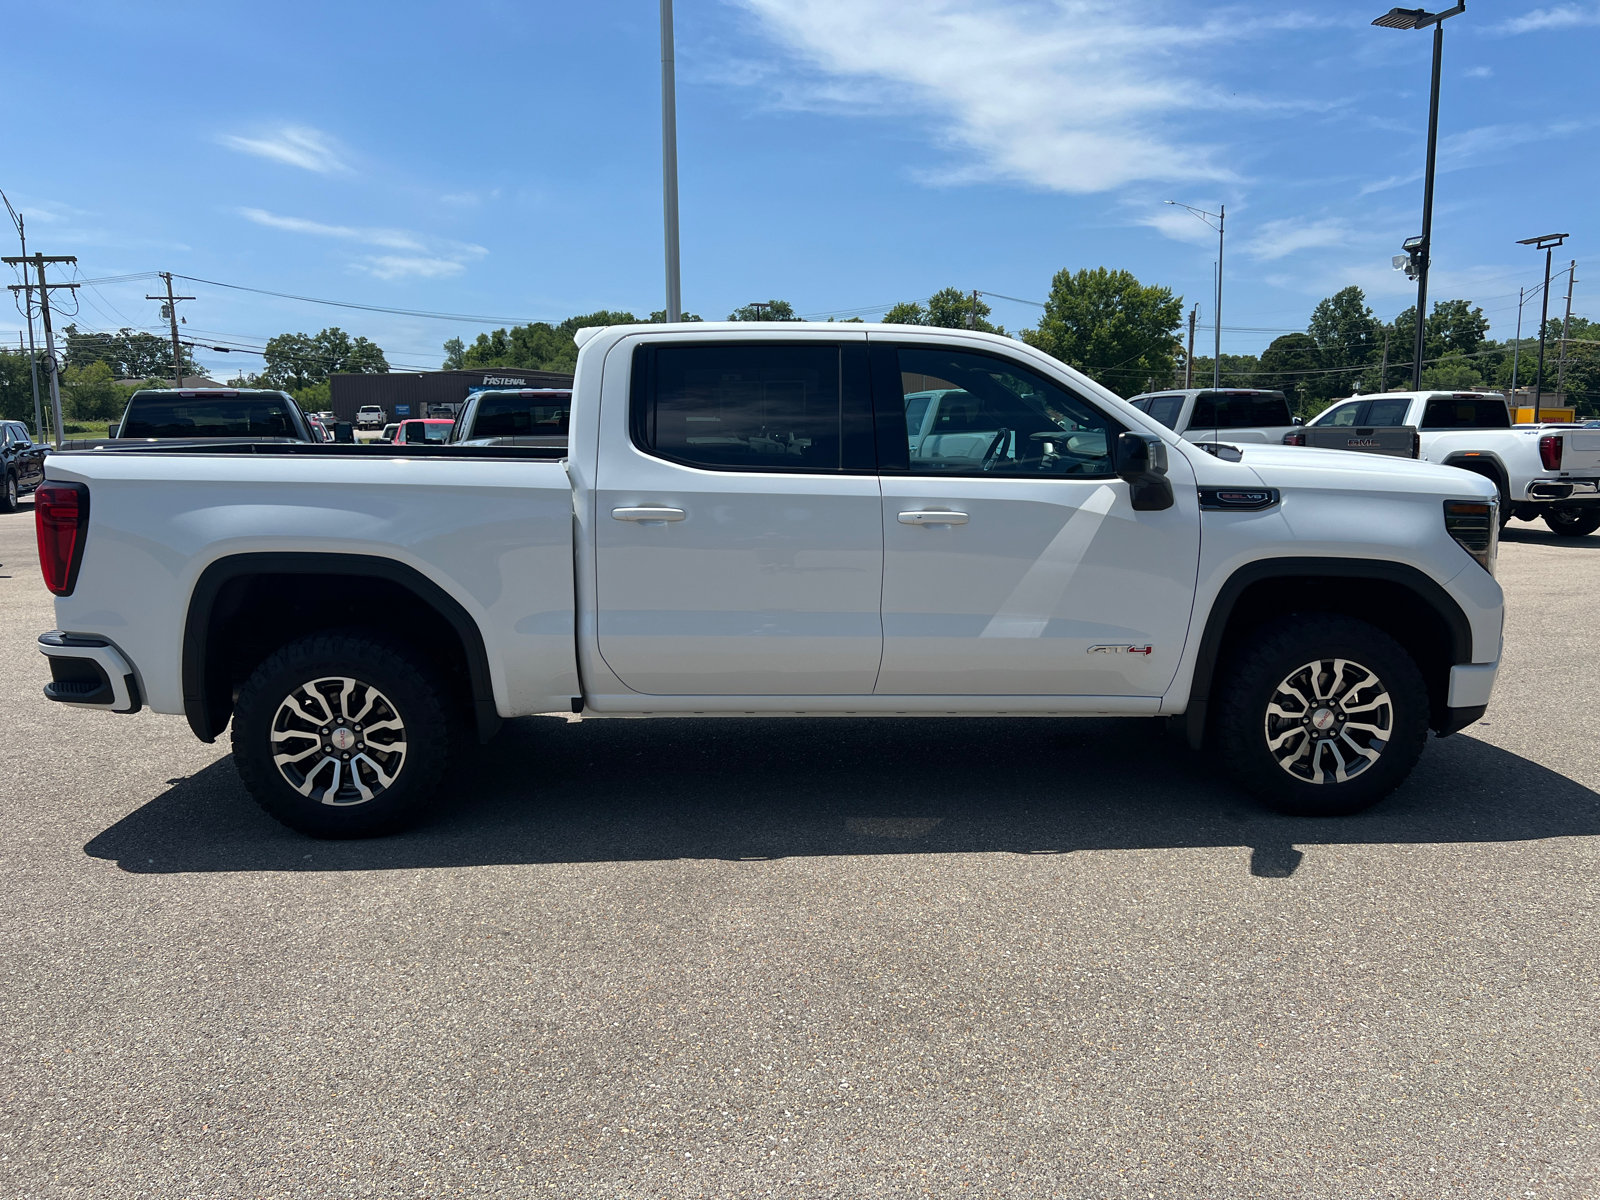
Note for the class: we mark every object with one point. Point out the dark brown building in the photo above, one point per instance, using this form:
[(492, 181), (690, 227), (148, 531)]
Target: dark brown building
[(402, 394)]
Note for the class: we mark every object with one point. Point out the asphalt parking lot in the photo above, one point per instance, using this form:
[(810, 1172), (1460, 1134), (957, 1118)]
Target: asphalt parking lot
[(866, 958)]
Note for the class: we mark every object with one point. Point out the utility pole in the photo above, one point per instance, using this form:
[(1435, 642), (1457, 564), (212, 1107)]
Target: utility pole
[(172, 314), (1383, 371), (1216, 362), (1547, 242), (972, 313), (669, 163), (27, 309), (758, 305), (1566, 329), (1188, 361), (1516, 354), (38, 261)]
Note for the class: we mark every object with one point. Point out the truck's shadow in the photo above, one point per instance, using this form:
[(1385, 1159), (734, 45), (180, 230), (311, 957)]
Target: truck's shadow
[(546, 791), (1537, 533)]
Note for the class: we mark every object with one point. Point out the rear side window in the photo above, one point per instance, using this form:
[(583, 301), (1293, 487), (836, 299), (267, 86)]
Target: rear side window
[(1387, 412), (740, 407), (1466, 412), (161, 416), (1166, 409), (1239, 410)]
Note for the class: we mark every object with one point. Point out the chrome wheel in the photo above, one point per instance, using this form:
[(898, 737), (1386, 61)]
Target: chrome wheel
[(338, 741), (11, 491), (1329, 721)]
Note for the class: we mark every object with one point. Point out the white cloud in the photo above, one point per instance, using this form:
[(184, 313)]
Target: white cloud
[(1076, 97), (392, 266), (394, 239), (1561, 16), (1479, 72), (1278, 239), (297, 145), (429, 260)]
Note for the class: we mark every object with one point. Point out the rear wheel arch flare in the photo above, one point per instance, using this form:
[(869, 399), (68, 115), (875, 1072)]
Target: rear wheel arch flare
[(207, 678), (1488, 466)]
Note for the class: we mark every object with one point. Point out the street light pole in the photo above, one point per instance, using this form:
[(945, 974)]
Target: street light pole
[(669, 163), (1417, 18), (1221, 222), (1548, 242)]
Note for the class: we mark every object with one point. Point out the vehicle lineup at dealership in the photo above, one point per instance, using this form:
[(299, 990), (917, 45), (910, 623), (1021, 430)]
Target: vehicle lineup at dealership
[(758, 519)]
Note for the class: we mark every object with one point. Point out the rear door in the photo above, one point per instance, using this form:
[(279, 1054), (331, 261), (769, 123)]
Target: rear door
[(739, 548), (1020, 567)]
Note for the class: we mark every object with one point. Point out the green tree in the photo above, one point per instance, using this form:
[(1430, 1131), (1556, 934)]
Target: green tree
[(659, 317), (1110, 326), (297, 360), (16, 388), (907, 312), (1347, 337), (948, 308), (1456, 325), (454, 354), (771, 310), (129, 353), (1289, 365), (1581, 380), (1238, 371), (91, 393)]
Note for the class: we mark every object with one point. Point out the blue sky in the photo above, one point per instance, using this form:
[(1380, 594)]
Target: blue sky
[(503, 159)]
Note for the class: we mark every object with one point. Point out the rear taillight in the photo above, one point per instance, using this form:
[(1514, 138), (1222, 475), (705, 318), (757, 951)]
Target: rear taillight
[(1294, 439), (1550, 451), (1416, 444), (61, 516)]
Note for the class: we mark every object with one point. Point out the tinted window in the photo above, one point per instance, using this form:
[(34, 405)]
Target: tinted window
[(426, 431), (1344, 414), (1386, 412), (916, 409), (1239, 410), (173, 416), (511, 415), (1166, 409), (740, 407), (993, 416), (1466, 412)]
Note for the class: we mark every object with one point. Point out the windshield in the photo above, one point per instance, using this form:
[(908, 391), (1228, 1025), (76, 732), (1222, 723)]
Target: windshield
[(521, 416), (173, 416)]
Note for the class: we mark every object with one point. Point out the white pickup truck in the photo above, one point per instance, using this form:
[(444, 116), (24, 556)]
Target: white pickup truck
[(1230, 415), (739, 528), (1541, 471)]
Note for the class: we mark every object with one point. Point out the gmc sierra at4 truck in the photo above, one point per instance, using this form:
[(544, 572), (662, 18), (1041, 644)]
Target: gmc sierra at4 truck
[(1540, 471), (740, 527)]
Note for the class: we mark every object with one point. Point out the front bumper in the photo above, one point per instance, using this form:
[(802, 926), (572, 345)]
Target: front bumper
[(89, 672)]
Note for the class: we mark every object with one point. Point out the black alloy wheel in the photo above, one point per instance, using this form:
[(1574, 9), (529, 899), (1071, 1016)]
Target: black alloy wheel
[(1573, 520)]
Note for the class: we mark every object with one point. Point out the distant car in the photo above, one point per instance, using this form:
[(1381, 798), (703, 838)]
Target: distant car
[(319, 431), (23, 461), (209, 413), (371, 416), (389, 431), (432, 432)]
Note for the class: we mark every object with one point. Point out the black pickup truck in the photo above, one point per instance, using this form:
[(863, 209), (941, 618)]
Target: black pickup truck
[(24, 463), (202, 414)]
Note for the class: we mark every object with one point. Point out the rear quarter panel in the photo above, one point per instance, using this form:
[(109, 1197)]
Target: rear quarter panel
[(497, 536)]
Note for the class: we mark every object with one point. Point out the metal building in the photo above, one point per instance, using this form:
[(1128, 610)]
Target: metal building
[(403, 394)]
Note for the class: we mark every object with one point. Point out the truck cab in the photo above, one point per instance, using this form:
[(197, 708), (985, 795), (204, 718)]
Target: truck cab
[(1221, 414)]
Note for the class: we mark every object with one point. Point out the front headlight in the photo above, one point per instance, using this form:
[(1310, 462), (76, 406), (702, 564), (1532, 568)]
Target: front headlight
[(1475, 525)]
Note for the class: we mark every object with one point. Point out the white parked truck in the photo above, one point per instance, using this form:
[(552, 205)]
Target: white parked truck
[(1549, 472), (371, 416), (1230, 415), (740, 527)]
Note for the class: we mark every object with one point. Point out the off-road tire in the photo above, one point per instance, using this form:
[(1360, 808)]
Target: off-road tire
[(1252, 681), (401, 687), (9, 500), (1571, 521)]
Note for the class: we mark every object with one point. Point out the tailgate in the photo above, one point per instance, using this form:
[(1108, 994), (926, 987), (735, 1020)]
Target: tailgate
[(1397, 441), (1581, 451)]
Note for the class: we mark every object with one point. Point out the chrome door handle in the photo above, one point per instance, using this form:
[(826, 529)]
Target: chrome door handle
[(648, 514), (933, 517)]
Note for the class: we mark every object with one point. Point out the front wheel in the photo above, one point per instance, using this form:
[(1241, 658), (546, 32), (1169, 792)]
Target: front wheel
[(1572, 521), (10, 500), (1322, 715), (340, 736)]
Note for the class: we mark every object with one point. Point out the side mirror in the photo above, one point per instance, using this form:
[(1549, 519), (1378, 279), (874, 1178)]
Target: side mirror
[(1297, 420), (1142, 463)]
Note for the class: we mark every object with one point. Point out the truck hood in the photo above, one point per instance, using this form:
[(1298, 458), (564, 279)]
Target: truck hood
[(1305, 467)]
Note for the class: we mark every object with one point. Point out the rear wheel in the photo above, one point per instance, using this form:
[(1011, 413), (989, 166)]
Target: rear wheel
[(1322, 715), (340, 736), (10, 500), (1572, 520)]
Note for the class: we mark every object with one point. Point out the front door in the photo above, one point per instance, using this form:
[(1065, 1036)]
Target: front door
[(1014, 563), (736, 553)]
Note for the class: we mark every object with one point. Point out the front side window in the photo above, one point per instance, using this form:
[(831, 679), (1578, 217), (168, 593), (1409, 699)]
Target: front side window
[(1343, 415), (739, 407), (988, 415)]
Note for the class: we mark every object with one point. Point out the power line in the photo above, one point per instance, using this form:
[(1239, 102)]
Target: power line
[(401, 312)]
